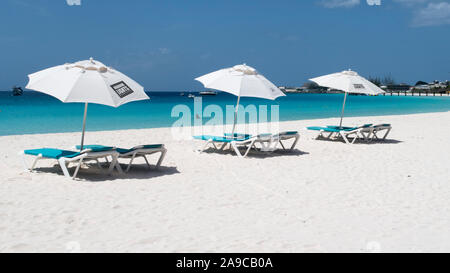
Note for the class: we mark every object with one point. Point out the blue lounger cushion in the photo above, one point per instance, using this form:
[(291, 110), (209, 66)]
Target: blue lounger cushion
[(223, 139), (289, 133), (52, 153), (348, 128), (121, 150), (338, 127), (238, 136), (152, 146), (325, 129), (58, 153)]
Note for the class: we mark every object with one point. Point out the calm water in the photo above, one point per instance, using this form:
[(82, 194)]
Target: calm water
[(38, 113)]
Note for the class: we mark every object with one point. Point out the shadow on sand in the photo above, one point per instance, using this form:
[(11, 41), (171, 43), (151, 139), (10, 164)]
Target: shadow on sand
[(257, 154), (92, 173), (359, 142)]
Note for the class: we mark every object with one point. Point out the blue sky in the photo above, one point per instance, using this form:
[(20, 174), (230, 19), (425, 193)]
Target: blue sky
[(165, 44)]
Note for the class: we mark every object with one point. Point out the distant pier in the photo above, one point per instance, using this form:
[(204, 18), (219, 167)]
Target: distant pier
[(418, 93)]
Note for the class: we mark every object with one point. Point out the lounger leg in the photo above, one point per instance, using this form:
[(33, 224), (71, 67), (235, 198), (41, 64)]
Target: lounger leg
[(161, 158), (252, 144), (214, 145), (370, 135), (131, 162), (118, 167), (224, 146), (329, 136), (281, 143), (387, 133), (206, 145), (364, 136), (236, 150), (62, 164), (320, 135), (78, 168), (115, 164), (146, 161), (355, 138), (344, 137), (297, 138), (39, 157)]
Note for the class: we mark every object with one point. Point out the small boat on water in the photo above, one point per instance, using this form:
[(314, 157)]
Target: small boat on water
[(191, 96), (208, 93), (17, 91)]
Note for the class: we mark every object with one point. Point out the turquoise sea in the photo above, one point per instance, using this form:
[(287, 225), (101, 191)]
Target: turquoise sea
[(39, 113)]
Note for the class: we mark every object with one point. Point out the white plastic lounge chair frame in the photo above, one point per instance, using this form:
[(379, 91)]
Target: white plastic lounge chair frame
[(141, 151), (268, 143), (379, 128), (285, 136), (371, 133), (357, 132), (83, 157), (233, 144)]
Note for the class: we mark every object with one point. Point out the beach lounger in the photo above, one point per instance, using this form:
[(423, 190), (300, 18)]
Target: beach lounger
[(287, 136), (371, 132), (268, 142), (65, 157), (365, 131), (138, 151), (331, 132), (378, 128), (221, 142)]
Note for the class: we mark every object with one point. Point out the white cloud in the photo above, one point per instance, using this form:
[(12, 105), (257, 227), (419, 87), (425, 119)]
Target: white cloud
[(164, 50), (416, 3), (73, 2), (411, 2), (432, 15), (339, 3)]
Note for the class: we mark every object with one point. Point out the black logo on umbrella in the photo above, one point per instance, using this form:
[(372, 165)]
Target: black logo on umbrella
[(122, 89), (359, 86)]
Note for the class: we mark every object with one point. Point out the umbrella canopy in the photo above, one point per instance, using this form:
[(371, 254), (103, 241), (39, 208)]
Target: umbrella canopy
[(349, 82), (241, 81), (87, 81)]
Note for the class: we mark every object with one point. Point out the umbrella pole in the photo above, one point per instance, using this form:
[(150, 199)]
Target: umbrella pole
[(84, 126), (235, 116), (343, 109)]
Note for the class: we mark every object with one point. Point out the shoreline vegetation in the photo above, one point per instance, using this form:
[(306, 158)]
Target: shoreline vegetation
[(388, 84), (418, 92)]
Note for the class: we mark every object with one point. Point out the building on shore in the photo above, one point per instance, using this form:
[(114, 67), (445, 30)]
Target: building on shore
[(396, 87)]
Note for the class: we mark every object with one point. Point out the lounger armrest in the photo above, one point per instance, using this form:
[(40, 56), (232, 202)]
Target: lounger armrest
[(85, 151)]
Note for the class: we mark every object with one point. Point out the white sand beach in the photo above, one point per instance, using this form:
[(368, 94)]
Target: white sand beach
[(325, 197)]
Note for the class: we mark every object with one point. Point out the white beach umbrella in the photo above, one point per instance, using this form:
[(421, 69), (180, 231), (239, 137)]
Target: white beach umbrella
[(241, 81), (87, 81), (349, 82)]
